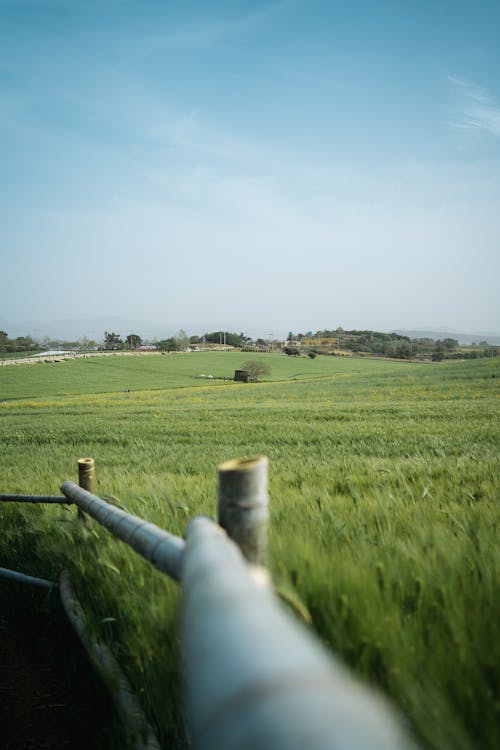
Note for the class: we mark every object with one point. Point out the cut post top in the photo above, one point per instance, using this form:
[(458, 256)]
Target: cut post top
[(243, 464)]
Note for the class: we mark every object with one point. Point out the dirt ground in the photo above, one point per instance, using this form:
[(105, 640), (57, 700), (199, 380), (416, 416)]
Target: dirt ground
[(49, 696)]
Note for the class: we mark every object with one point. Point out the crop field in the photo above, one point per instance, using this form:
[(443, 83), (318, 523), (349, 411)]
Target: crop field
[(384, 511)]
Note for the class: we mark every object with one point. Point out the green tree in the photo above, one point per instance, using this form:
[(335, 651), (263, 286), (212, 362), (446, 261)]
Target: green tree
[(4, 338), (112, 341), (256, 369), (24, 344), (168, 345), (133, 341), (449, 343)]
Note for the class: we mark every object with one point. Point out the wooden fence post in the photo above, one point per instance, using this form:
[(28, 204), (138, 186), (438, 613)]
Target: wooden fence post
[(243, 505), (86, 479)]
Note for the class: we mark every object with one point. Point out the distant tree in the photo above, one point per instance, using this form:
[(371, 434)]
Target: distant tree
[(256, 369), (85, 344), (404, 350), (133, 341), (291, 351), (24, 343), (195, 340), (233, 339), (4, 339), (312, 355), (112, 341), (168, 345), (182, 340)]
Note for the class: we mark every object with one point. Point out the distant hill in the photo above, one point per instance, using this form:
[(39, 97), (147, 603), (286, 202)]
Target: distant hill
[(463, 338)]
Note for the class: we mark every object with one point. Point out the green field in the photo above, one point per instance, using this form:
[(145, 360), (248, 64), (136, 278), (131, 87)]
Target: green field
[(384, 510)]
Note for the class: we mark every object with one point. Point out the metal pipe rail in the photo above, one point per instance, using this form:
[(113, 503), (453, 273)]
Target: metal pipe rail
[(255, 678), (163, 550), (13, 575), (35, 499)]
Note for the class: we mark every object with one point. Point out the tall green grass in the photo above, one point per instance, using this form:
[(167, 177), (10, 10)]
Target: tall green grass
[(384, 511)]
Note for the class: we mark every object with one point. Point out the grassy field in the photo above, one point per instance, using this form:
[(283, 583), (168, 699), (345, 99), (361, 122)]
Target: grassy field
[(384, 497)]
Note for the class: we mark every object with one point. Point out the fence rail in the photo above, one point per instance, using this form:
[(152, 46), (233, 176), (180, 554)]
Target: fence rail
[(254, 677), (14, 575), (57, 499), (163, 550)]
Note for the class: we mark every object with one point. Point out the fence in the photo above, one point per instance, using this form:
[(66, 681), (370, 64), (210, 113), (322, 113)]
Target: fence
[(254, 677)]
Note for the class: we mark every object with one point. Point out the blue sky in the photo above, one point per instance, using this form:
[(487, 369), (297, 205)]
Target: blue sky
[(256, 166)]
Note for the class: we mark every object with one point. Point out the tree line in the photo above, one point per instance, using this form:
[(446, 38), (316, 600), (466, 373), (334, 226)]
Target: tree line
[(113, 341), (393, 345), (179, 342), (326, 341)]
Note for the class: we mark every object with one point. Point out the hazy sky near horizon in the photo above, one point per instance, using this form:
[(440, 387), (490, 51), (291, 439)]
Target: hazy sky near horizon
[(271, 166)]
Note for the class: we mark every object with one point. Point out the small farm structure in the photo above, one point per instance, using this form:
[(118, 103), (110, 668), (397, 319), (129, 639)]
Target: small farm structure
[(241, 376)]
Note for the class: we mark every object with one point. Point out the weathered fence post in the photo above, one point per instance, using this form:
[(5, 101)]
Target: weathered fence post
[(86, 474), (243, 505), (86, 479)]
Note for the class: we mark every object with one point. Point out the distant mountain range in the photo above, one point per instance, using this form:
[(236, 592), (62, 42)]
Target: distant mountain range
[(92, 328), (491, 337)]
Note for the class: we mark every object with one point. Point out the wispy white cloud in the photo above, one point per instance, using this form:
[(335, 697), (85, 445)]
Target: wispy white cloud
[(198, 32), (478, 110)]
